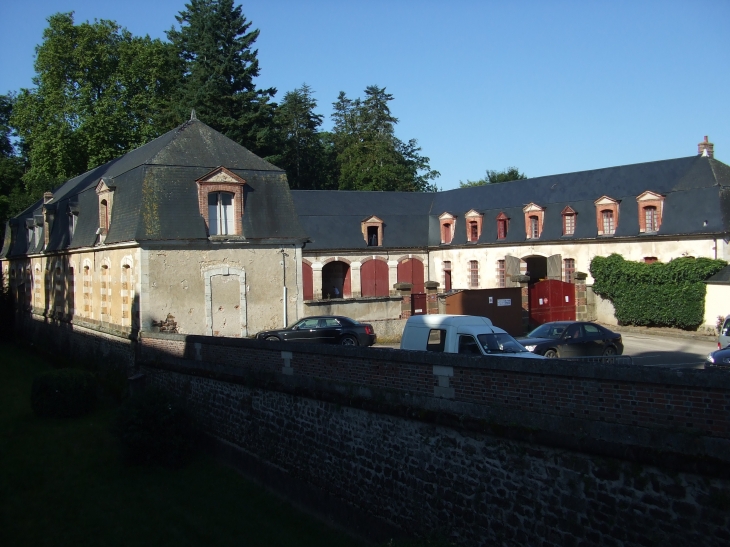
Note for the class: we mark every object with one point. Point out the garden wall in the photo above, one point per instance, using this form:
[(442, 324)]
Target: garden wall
[(486, 451)]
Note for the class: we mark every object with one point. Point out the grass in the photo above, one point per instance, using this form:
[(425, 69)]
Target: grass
[(62, 483)]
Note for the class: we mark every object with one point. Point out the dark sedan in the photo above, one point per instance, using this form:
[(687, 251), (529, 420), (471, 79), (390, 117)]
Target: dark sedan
[(324, 329), (572, 339)]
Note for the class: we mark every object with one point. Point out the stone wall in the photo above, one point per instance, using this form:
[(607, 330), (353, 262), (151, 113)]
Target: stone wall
[(511, 452)]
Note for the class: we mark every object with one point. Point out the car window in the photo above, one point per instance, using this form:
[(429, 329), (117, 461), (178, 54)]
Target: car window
[(308, 324), (591, 330), (500, 343), (330, 322), (436, 340), (468, 346), (573, 332), (726, 328), (547, 331)]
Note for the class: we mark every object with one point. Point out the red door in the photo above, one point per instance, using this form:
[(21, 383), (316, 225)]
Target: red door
[(307, 281), (411, 271), (374, 278), (551, 300)]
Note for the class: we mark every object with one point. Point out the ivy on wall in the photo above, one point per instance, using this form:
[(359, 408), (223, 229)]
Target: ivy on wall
[(661, 294)]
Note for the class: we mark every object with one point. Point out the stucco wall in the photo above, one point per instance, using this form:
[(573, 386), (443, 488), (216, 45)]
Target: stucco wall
[(361, 309), (180, 282), (717, 303)]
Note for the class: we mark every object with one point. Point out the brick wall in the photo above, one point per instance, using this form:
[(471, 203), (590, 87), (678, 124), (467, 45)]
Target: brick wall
[(512, 453)]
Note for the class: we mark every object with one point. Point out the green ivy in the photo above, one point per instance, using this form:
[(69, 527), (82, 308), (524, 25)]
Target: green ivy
[(658, 294)]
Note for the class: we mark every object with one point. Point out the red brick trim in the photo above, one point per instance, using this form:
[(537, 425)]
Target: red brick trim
[(221, 179), (473, 216), (605, 203), (533, 210)]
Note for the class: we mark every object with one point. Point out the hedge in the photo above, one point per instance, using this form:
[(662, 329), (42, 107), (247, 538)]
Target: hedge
[(661, 294)]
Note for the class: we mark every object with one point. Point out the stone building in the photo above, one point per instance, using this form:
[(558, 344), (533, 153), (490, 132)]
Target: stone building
[(195, 234)]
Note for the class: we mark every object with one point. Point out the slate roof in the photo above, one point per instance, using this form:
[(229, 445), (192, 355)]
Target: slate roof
[(696, 190), (720, 278), (156, 195)]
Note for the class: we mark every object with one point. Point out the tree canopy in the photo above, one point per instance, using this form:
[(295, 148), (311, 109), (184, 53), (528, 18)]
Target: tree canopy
[(13, 198), (494, 177)]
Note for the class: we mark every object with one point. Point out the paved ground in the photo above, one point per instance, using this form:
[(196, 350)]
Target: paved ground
[(659, 350)]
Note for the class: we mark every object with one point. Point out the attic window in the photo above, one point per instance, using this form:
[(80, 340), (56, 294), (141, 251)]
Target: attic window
[(473, 226), (651, 206), (609, 226), (105, 192), (607, 215), (568, 221), (72, 219), (220, 200), (372, 231), (534, 216), (502, 225), (447, 223)]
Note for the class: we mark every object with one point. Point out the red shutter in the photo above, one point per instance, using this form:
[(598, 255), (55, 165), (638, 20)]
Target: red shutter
[(374, 278), (307, 281)]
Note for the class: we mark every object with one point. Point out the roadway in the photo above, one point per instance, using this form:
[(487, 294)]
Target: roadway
[(659, 350)]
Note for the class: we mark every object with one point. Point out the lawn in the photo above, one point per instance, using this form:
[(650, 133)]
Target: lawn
[(62, 483)]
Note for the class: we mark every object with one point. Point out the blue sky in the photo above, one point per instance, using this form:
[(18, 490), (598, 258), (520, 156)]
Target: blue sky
[(549, 87)]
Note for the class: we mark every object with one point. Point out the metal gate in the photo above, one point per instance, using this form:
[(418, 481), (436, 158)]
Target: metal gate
[(418, 304), (551, 300)]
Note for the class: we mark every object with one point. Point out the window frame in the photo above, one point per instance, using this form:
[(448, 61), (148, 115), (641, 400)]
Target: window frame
[(222, 213), (502, 226), (473, 274), (569, 270)]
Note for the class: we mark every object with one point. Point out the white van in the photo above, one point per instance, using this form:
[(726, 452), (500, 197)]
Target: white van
[(465, 334)]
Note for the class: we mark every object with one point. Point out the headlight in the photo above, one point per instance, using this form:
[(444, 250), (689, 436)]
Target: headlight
[(530, 348), (710, 359)]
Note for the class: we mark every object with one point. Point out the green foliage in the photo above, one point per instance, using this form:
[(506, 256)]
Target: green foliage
[(64, 393), (218, 67), (99, 93), (13, 198), (369, 155), (154, 428), (658, 294), (494, 177)]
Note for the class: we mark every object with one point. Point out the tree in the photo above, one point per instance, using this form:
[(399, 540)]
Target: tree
[(13, 198), (493, 177), (99, 92), (300, 147), (218, 71), (369, 155)]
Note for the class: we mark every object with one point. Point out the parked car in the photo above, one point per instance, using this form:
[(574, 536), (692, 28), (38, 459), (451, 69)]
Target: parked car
[(325, 329), (720, 357), (465, 334), (572, 339)]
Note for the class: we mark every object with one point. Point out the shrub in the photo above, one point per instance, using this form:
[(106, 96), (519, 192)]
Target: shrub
[(154, 427), (658, 294), (64, 393)]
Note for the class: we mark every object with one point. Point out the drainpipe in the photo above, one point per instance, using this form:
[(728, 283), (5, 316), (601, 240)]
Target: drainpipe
[(283, 274)]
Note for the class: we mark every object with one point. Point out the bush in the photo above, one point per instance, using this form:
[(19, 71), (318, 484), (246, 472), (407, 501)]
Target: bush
[(64, 393), (658, 294), (154, 427)]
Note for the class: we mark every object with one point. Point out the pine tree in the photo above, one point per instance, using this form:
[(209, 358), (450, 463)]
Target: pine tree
[(219, 67)]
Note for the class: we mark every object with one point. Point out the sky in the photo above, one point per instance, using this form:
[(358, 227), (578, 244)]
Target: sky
[(547, 87)]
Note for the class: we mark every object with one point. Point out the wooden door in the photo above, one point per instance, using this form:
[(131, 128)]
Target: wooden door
[(374, 278)]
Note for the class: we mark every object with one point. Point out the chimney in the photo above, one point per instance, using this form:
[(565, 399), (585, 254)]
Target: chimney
[(48, 196), (706, 149)]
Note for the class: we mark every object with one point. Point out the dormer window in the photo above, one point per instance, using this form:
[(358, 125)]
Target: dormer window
[(73, 217), (607, 218), (372, 231), (502, 225), (473, 226), (220, 200), (221, 217), (568, 221), (105, 192), (534, 215), (447, 222), (651, 206)]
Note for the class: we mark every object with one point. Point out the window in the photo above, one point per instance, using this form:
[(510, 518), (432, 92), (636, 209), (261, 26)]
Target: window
[(72, 218), (568, 221), (221, 220), (501, 274), (569, 269), (534, 217), (609, 227), (447, 221), (446, 233), (468, 345), (473, 274), (36, 234), (473, 231), (372, 236), (650, 219), (436, 340), (30, 234), (105, 194), (502, 225), (447, 275), (473, 225)]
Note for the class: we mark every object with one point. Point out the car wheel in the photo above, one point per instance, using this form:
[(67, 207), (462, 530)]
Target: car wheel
[(610, 351), (348, 341), (551, 354), (272, 338)]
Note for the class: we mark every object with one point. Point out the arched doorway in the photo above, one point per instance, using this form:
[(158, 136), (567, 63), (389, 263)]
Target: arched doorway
[(411, 271), (336, 280), (536, 268), (374, 278)]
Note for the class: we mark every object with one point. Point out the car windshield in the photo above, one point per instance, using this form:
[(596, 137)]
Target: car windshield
[(500, 343), (548, 331)]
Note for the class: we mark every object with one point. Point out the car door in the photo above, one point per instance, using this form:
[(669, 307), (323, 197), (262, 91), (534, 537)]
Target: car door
[(304, 331), (574, 342), (596, 339), (329, 330)]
